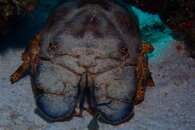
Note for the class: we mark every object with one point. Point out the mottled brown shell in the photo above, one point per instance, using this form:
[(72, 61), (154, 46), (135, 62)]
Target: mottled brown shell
[(88, 50)]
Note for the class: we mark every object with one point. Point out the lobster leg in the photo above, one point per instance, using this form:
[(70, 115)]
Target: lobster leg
[(29, 56), (149, 80), (144, 77)]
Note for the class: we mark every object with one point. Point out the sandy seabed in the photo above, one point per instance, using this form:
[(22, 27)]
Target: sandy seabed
[(170, 105)]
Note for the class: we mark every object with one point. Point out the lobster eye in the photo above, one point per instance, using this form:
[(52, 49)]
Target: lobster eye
[(52, 46), (123, 51)]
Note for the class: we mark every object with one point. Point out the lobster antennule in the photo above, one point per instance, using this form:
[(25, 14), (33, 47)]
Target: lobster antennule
[(30, 55)]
